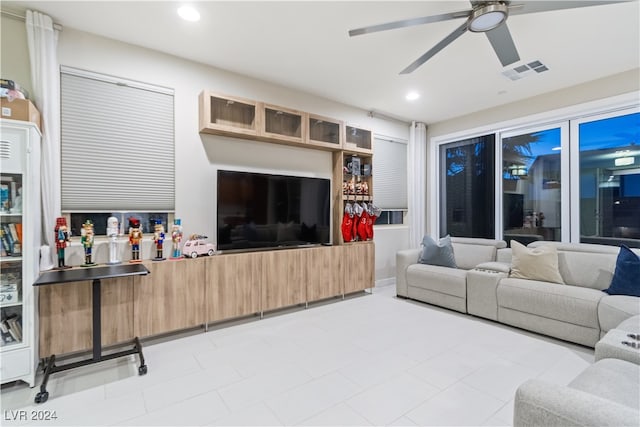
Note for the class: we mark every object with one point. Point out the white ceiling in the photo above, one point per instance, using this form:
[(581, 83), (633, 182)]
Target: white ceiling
[(305, 45)]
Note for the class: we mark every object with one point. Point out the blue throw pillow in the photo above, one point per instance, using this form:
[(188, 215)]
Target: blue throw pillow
[(626, 278), (440, 253)]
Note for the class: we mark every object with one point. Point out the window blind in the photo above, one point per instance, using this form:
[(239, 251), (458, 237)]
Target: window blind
[(389, 174), (117, 145)]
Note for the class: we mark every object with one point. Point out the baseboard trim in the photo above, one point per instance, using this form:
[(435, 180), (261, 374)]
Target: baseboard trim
[(385, 282)]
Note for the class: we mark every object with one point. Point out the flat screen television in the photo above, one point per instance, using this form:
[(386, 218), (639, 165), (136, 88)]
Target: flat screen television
[(257, 210)]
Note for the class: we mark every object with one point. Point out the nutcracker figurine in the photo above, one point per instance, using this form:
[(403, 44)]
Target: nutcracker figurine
[(176, 238), (112, 233), (135, 238), (87, 242), (158, 238), (62, 240)]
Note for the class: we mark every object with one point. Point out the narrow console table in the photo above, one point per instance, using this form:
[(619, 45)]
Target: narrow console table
[(94, 274)]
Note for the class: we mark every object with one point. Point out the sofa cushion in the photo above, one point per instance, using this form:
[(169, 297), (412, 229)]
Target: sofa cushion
[(571, 304), (632, 324), (540, 263), (586, 269), (584, 265), (610, 347), (614, 309), (469, 255), (626, 278), (437, 253), (445, 280), (609, 379)]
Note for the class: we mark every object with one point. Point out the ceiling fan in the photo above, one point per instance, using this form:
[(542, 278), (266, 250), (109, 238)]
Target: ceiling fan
[(487, 17)]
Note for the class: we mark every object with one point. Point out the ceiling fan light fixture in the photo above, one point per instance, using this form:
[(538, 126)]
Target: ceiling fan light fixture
[(487, 17)]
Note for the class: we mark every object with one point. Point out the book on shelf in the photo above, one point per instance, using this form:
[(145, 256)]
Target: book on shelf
[(16, 246), (11, 247), (15, 327), (11, 329), (6, 245), (14, 233), (4, 197), (19, 231)]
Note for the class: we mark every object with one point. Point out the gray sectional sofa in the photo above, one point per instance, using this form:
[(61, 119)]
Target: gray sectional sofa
[(607, 393), (443, 286), (577, 311)]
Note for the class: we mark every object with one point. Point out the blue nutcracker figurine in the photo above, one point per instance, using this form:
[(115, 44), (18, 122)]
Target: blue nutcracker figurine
[(158, 238), (176, 238)]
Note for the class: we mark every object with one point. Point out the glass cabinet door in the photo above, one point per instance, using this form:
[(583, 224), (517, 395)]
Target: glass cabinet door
[(11, 308)]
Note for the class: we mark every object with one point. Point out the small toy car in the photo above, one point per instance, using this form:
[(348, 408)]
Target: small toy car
[(197, 245)]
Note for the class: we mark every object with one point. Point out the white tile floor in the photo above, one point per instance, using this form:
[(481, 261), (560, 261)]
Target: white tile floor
[(368, 360)]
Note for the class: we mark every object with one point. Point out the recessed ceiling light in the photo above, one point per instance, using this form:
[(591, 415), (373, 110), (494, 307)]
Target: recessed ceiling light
[(412, 96), (188, 13)]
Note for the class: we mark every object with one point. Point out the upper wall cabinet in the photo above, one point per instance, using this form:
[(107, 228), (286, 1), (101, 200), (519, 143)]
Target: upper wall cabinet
[(248, 119), (358, 140), (227, 115), (282, 124), (325, 132)]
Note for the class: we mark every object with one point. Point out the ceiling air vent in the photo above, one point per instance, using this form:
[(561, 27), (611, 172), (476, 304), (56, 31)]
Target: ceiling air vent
[(524, 70)]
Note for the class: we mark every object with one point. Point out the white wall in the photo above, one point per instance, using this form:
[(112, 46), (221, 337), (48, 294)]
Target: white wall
[(14, 57), (198, 157), (389, 240)]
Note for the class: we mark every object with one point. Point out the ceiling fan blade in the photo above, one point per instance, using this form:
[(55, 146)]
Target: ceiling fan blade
[(409, 23), (520, 8), (502, 42), (437, 48)]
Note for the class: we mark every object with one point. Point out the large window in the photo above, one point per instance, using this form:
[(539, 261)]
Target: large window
[(467, 188), (117, 149), (575, 181), (531, 185), (390, 180), (609, 162)]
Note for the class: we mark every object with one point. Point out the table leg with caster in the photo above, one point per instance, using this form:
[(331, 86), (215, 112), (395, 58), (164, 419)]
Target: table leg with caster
[(43, 395), (142, 369)]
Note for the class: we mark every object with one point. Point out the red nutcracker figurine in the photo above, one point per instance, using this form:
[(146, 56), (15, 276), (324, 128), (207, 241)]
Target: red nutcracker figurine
[(135, 238), (62, 240)]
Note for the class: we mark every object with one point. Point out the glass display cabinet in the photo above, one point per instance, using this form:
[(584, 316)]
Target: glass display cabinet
[(19, 257)]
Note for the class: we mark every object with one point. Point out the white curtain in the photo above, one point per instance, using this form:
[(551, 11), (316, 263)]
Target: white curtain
[(42, 39), (417, 177)]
